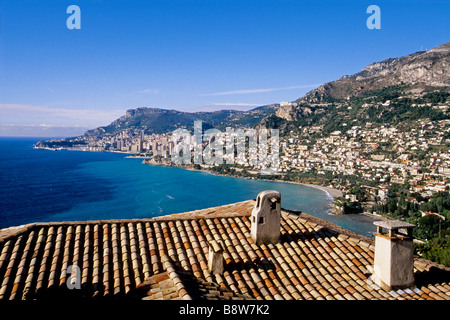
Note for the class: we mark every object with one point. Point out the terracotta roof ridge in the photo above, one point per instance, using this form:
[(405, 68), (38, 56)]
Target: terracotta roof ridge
[(13, 231), (293, 214), (419, 260), (212, 211)]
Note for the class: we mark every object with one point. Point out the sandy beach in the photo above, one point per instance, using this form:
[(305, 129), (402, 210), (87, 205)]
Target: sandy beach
[(333, 192)]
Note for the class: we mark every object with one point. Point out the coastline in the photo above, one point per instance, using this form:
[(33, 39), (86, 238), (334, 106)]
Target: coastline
[(332, 192)]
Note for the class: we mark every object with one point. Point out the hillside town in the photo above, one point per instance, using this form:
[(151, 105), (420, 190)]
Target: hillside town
[(375, 156), (384, 155)]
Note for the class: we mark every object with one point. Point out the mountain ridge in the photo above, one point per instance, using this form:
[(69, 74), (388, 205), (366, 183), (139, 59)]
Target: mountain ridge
[(419, 71), (159, 120)]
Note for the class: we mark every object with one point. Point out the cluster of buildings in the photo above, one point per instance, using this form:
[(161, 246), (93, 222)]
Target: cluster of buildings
[(162, 147), (127, 141), (382, 154)]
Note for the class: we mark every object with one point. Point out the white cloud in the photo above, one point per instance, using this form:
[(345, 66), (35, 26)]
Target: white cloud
[(29, 112), (148, 91), (138, 93), (231, 104), (262, 90), (42, 130), (43, 121), (226, 105)]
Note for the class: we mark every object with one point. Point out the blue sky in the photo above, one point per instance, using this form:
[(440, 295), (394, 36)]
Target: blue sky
[(189, 55)]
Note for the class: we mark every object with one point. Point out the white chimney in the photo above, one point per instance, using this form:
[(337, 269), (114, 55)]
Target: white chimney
[(215, 257), (394, 262), (266, 217)]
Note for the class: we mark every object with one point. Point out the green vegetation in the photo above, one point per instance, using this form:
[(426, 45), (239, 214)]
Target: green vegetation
[(437, 96), (158, 121), (388, 93), (65, 143), (437, 249), (347, 207), (432, 229), (371, 107), (274, 122)]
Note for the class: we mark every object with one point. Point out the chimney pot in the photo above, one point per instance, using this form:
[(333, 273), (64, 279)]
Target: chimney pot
[(394, 262), (266, 216)]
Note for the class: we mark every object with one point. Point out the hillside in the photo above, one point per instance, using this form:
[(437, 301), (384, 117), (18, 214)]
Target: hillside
[(420, 70), (158, 121)]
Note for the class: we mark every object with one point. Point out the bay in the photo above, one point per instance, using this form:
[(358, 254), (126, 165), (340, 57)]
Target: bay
[(42, 186)]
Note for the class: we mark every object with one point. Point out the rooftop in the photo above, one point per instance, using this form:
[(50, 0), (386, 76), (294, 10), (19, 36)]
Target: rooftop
[(167, 258)]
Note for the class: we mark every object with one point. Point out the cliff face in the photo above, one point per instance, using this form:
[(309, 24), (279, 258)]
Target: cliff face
[(294, 111), (419, 70), (430, 68)]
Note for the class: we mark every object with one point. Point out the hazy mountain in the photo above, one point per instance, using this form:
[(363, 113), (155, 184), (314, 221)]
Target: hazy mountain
[(156, 120)]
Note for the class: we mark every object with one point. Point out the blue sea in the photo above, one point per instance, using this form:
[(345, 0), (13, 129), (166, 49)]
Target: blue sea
[(41, 185)]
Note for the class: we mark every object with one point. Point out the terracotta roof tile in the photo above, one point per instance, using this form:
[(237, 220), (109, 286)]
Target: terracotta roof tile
[(168, 257)]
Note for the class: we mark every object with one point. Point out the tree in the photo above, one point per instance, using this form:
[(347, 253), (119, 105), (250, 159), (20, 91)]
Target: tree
[(427, 227), (437, 249)]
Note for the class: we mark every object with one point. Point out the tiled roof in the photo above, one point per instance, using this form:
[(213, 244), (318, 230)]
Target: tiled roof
[(166, 258)]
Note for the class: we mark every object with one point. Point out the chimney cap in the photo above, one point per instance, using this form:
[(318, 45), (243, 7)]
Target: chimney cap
[(393, 227), (272, 194), (393, 224)]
